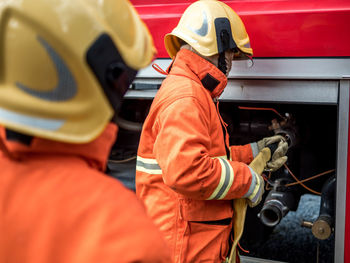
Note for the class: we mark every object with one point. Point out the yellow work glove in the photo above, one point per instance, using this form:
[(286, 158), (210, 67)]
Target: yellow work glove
[(279, 156), (253, 198), (257, 166)]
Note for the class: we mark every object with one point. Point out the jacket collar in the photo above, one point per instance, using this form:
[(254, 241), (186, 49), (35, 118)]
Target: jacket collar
[(95, 153), (203, 71)]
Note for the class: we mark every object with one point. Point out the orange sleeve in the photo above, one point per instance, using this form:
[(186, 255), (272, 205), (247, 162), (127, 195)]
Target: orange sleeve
[(242, 153)]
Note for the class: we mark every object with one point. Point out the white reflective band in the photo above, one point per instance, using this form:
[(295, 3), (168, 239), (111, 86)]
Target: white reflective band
[(255, 198), (146, 165), (222, 157), (184, 36), (256, 193), (255, 149), (35, 122), (226, 180), (253, 183)]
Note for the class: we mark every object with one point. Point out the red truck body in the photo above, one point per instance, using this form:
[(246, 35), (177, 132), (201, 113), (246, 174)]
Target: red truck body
[(277, 28)]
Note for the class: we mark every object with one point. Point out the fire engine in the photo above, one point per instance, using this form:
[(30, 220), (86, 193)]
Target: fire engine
[(297, 85)]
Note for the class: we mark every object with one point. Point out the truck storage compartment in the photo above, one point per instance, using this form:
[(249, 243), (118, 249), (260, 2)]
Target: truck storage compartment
[(281, 227), (311, 130), (312, 114)]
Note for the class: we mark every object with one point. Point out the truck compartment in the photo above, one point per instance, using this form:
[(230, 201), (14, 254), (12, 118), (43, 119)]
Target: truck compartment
[(311, 110), (311, 130)]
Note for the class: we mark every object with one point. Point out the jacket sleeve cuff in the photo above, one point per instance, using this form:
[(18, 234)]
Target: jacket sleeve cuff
[(254, 186), (255, 149)]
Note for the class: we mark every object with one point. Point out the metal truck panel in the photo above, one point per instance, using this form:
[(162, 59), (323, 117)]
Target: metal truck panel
[(269, 68)]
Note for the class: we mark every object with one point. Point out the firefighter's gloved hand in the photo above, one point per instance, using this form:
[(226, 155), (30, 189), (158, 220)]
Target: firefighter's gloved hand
[(265, 142), (279, 155), (256, 190)]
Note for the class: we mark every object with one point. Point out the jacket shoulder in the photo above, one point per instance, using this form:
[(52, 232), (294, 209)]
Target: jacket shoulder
[(79, 205), (175, 87)]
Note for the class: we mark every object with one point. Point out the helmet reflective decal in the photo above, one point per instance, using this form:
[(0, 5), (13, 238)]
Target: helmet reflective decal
[(38, 123), (203, 30), (66, 87), (185, 37)]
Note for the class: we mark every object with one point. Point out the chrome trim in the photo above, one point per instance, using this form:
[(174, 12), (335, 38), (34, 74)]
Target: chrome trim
[(140, 94), (297, 91), (277, 68), (342, 153), (292, 68), (283, 78)]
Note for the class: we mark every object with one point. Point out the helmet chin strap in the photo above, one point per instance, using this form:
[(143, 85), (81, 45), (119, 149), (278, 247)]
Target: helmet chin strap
[(222, 63)]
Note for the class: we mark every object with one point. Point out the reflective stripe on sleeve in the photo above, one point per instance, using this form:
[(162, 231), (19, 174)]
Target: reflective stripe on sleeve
[(254, 198), (226, 180), (147, 165), (252, 184), (255, 187), (255, 149)]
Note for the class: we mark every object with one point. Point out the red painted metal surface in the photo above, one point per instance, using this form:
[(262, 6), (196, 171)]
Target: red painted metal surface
[(279, 28)]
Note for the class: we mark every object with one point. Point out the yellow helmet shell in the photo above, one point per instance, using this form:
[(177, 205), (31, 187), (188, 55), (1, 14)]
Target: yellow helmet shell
[(47, 88), (197, 27)]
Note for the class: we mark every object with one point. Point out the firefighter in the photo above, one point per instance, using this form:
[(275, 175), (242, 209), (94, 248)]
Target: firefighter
[(65, 66), (187, 174)]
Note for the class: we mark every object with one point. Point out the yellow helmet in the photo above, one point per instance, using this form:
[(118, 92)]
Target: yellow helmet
[(210, 27), (65, 65)]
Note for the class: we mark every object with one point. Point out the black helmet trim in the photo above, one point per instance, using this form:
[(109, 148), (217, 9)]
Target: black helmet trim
[(113, 74), (222, 63), (224, 34), (224, 40)]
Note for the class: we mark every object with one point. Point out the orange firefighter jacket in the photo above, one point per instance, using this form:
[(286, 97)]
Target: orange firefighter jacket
[(58, 206), (187, 174)]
